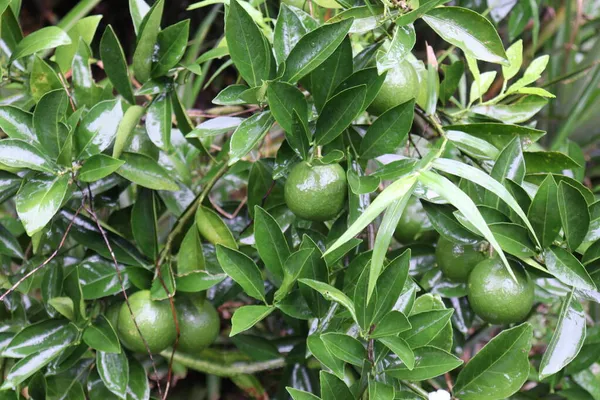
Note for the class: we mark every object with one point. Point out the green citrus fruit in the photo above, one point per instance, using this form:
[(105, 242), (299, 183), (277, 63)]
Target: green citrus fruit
[(414, 224), (495, 296), (198, 324), (457, 260), (400, 85), (316, 192), (155, 320)]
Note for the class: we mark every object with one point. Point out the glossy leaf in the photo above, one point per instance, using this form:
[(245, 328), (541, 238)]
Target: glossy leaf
[(172, 42), (126, 129), (101, 336), (425, 327), (248, 134), (138, 387), (345, 347), (381, 391), (548, 161), (158, 122), (391, 324), (469, 31), (144, 216), (113, 369), (9, 246), (318, 349), (402, 42), (513, 239), (213, 229), (40, 336), (146, 172), (42, 39), (430, 362), (115, 64), (284, 99), (300, 394), (542, 212), (98, 278), (499, 369), (444, 222), (29, 365), (292, 23), (574, 214), (46, 121), (17, 123), (146, 42), (98, 166), (190, 257), (472, 145), (243, 270), (331, 293), (270, 242), (18, 153), (313, 49), (568, 269), (39, 199), (249, 49), (388, 132), (98, 129), (332, 387), (400, 348), (367, 76), (246, 317), (338, 113), (43, 79)]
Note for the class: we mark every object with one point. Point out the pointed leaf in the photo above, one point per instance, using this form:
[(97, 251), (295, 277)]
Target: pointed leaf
[(338, 113), (400, 348), (102, 336), (270, 242), (113, 369), (574, 214), (158, 122), (172, 42), (115, 64), (18, 153), (97, 167), (345, 347), (248, 134), (147, 36), (246, 317), (568, 269), (388, 132), (146, 172), (430, 362), (42, 39), (213, 229), (243, 270)]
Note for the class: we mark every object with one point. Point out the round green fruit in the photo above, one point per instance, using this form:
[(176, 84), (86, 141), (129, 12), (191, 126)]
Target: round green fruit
[(495, 296), (155, 320), (316, 192), (199, 324), (414, 224), (457, 260), (400, 85)]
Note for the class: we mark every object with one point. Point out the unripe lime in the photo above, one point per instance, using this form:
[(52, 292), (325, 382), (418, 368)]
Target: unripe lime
[(457, 260), (198, 324), (495, 296), (414, 224), (400, 85), (154, 319), (316, 192)]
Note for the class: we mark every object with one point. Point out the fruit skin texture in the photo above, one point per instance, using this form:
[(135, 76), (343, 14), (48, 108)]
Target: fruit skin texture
[(495, 296), (316, 192), (400, 85), (414, 224), (457, 260), (154, 319), (198, 324)]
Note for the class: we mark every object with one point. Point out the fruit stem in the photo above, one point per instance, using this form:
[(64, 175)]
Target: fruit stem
[(223, 369)]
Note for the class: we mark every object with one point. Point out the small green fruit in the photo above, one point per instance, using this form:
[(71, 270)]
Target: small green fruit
[(199, 324), (414, 224), (400, 85), (457, 260)]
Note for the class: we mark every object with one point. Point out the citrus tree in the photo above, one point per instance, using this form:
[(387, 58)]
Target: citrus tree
[(347, 221)]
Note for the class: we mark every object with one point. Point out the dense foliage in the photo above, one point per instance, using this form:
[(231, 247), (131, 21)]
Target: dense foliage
[(382, 204)]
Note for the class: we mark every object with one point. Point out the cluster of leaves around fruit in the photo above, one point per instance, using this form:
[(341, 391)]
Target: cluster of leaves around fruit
[(104, 201)]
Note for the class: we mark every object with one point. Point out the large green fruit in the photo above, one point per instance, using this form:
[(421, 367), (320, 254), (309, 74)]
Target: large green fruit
[(316, 192), (495, 296), (457, 260), (400, 85), (414, 224), (198, 324), (155, 320)]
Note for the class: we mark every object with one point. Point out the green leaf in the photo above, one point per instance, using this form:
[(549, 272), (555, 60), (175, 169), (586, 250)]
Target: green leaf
[(284, 99), (260, 181), (115, 64), (138, 387), (444, 222), (318, 349), (381, 391), (298, 136), (515, 58), (64, 306), (17, 124), (243, 270), (215, 126), (548, 161), (446, 189), (37, 337), (324, 79), (172, 42), (362, 184), (163, 287), (499, 369), (313, 49), (98, 129), (29, 365), (331, 293), (482, 85), (138, 10), (9, 245), (85, 29), (42, 39), (513, 239), (499, 134), (391, 324), (144, 222), (249, 49), (568, 269), (425, 327), (39, 199), (101, 336), (98, 278), (430, 362), (190, 257), (46, 121), (333, 388), (367, 76), (400, 348), (574, 214), (389, 285), (248, 134), (338, 113), (402, 42), (293, 269), (300, 394), (85, 91), (146, 172), (43, 79), (113, 369), (472, 145), (270, 242), (519, 111), (542, 212), (317, 270), (567, 340), (213, 229), (246, 317), (146, 42), (292, 23), (532, 73), (469, 31), (388, 132), (126, 128), (18, 153), (97, 167), (345, 347), (453, 73), (158, 122)]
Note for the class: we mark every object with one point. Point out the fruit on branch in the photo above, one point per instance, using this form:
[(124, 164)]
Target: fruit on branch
[(457, 260), (400, 85), (199, 323), (495, 296), (316, 192), (414, 224)]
